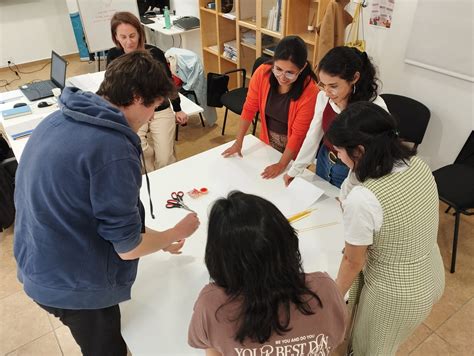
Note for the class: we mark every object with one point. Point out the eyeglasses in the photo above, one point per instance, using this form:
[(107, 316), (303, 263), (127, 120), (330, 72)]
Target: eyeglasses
[(329, 90), (279, 72)]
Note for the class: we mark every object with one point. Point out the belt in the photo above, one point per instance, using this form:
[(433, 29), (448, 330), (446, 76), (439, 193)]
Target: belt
[(333, 158)]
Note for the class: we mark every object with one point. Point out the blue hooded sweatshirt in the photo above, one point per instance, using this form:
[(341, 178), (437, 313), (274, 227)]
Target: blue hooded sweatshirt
[(76, 196)]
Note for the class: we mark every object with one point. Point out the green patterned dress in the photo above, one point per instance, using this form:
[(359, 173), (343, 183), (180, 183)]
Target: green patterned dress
[(404, 273)]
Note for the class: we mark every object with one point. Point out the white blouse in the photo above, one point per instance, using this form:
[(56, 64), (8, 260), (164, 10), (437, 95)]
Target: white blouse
[(307, 153), (362, 212)]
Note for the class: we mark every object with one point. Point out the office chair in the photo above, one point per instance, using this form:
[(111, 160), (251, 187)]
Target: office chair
[(193, 95), (234, 100), (456, 188), (412, 115), (187, 66)]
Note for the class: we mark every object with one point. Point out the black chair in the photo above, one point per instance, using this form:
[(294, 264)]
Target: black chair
[(456, 188), (8, 166), (412, 115), (192, 94), (234, 100)]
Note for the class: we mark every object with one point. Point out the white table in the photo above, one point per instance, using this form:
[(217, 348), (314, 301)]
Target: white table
[(23, 123), (174, 37), (155, 321), (91, 82), (86, 82)]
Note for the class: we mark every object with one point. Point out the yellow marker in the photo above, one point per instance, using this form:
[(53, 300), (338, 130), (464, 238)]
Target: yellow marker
[(300, 215)]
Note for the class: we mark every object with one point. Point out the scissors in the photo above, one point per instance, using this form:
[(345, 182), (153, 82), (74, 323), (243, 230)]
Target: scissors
[(177, 201)]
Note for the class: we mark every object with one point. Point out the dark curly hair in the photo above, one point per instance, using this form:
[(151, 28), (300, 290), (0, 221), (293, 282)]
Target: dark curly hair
[(344, 62)]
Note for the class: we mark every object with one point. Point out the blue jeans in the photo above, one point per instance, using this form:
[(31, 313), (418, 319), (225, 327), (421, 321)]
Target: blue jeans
[(334, 173)]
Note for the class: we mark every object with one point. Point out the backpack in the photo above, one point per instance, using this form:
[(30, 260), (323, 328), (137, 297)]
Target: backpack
[(216, 86)]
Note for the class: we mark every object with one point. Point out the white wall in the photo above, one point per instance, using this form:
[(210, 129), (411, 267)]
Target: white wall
[(185, 7), (450, 100), (30, 29)]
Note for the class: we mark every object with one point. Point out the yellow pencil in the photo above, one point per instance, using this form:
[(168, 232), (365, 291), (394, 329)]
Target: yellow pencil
[(300, 215)]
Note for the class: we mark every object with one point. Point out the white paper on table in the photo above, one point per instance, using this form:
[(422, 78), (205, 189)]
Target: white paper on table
[(298, 196), (10, 95), (232, 177), (87, 82), (24, 126)]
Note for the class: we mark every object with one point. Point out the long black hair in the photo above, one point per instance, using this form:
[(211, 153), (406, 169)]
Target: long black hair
[(344, 62), (293, 48), (252, 253), (368, 125)]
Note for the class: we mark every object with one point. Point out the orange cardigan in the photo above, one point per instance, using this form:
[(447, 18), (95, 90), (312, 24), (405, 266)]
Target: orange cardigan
[(300, 112)]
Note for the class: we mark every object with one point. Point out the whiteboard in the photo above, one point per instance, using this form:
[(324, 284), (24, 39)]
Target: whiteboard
[(95, 17), (442, 38)]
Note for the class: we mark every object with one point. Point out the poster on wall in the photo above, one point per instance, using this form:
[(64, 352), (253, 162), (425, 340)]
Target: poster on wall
[(381, 13)]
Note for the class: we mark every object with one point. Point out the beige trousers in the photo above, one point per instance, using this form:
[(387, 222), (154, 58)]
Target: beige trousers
[(157, 139)]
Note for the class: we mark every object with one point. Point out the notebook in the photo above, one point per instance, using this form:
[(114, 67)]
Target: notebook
[(15, 112), (41, 90)]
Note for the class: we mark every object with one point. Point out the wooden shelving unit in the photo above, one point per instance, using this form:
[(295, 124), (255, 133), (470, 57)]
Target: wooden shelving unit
[(255, 31), (300, 15)]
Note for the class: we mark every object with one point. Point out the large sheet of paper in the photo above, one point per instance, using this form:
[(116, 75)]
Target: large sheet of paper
[(167, 286)]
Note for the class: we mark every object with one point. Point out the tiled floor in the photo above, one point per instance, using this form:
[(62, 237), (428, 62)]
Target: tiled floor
[(25, 329)]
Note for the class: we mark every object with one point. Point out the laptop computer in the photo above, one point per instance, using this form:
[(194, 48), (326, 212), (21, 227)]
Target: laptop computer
[(41, 90)]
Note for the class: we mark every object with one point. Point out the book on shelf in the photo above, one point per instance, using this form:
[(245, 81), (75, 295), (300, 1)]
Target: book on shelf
[(229, 15), (274, 18), (230, 50), (249, 38)]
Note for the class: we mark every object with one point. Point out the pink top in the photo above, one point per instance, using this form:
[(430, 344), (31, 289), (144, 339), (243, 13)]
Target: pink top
[(316, 334)]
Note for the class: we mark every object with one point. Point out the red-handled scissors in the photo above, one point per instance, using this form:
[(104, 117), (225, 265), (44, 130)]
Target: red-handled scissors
[(178, 196), (177, 201)]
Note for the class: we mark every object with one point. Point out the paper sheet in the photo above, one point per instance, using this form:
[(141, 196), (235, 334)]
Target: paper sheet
[(10, 95), (299, 196)]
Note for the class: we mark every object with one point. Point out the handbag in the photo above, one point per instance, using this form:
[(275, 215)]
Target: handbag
[(357, 26)]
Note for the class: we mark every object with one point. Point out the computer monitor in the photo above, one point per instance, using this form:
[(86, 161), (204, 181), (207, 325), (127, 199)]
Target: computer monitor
[(144, 5)]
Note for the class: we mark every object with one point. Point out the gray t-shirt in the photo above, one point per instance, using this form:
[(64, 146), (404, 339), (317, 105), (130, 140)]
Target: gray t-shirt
[(316, 334)]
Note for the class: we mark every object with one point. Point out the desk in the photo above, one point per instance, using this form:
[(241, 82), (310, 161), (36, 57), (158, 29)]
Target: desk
[(86, 82), (164, 38), (26, 122), (155, 321)]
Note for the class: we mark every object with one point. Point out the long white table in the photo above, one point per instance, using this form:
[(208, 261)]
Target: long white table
[(86, 82), (155, 321)]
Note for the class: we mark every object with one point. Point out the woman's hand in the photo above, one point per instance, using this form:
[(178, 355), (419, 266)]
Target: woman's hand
[(288, 179), (181, 117), (273, 170), (232, 150)]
